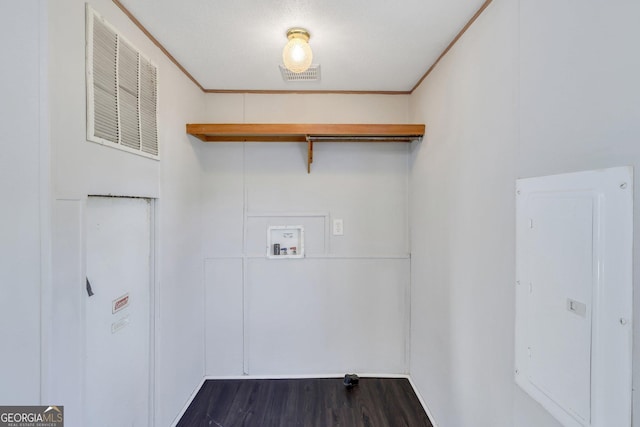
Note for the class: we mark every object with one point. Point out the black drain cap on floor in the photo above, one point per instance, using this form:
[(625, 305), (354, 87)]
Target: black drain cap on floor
[(351, 380)]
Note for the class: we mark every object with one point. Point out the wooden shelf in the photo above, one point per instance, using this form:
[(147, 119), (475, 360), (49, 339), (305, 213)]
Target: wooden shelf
[(309, 133), (259, 132)]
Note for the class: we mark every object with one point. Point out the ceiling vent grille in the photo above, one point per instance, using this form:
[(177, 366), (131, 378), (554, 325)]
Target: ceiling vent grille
[(122, 91), (311, 75)]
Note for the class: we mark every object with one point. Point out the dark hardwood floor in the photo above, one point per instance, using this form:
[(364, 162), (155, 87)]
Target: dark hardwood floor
[(315, 402)]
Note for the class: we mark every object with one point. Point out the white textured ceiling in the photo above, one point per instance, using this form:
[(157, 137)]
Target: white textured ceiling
[(361, 45)]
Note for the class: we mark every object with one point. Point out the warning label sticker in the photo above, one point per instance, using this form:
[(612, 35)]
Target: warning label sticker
[(120, 303)]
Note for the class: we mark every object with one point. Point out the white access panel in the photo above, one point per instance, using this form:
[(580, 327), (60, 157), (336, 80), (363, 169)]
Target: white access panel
[(574, 295), (117, 312)]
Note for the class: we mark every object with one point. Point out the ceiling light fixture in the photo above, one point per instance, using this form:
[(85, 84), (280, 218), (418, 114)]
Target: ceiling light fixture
[(297, 54)]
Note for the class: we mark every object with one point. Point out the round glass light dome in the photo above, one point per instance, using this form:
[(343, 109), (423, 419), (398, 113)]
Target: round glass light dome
[(297, 55)]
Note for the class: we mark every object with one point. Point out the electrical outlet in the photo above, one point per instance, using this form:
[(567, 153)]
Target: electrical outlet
[(338, 229)]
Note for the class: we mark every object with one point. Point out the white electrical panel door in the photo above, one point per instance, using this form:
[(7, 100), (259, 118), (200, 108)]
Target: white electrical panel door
[(560, 265), (574, 293)]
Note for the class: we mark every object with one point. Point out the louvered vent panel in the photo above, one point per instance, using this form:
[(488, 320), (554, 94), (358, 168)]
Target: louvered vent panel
[(312, 74), (122, 87), (105, 106), (128, 96), (148, 107)]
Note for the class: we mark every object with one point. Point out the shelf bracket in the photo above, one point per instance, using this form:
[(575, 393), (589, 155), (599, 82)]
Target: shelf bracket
[(309, 153)]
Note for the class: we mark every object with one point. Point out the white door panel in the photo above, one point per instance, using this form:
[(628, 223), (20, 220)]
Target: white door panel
[(561, 270), (117, 331)]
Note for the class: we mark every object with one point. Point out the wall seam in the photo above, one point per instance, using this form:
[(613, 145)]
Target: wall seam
[(45, 204)]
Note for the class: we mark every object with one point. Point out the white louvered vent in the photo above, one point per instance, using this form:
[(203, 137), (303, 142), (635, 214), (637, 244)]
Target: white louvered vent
[(311, 75), (122, 91), (148, 107), (105, 107)]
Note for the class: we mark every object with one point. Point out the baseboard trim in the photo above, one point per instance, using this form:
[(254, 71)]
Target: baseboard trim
[(300, 376), (186, 405), (422, 402)]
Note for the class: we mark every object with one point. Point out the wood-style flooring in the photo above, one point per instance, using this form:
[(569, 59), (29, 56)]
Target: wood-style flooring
[(316, 402)]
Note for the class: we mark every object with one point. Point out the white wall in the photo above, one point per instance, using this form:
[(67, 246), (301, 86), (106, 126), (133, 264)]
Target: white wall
[(22, 190), (81, 168), (580, 106), (533, 88), (462, 211), (344, 307)]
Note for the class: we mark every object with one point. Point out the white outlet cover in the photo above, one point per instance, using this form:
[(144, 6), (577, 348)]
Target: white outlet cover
[(338, 227)]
